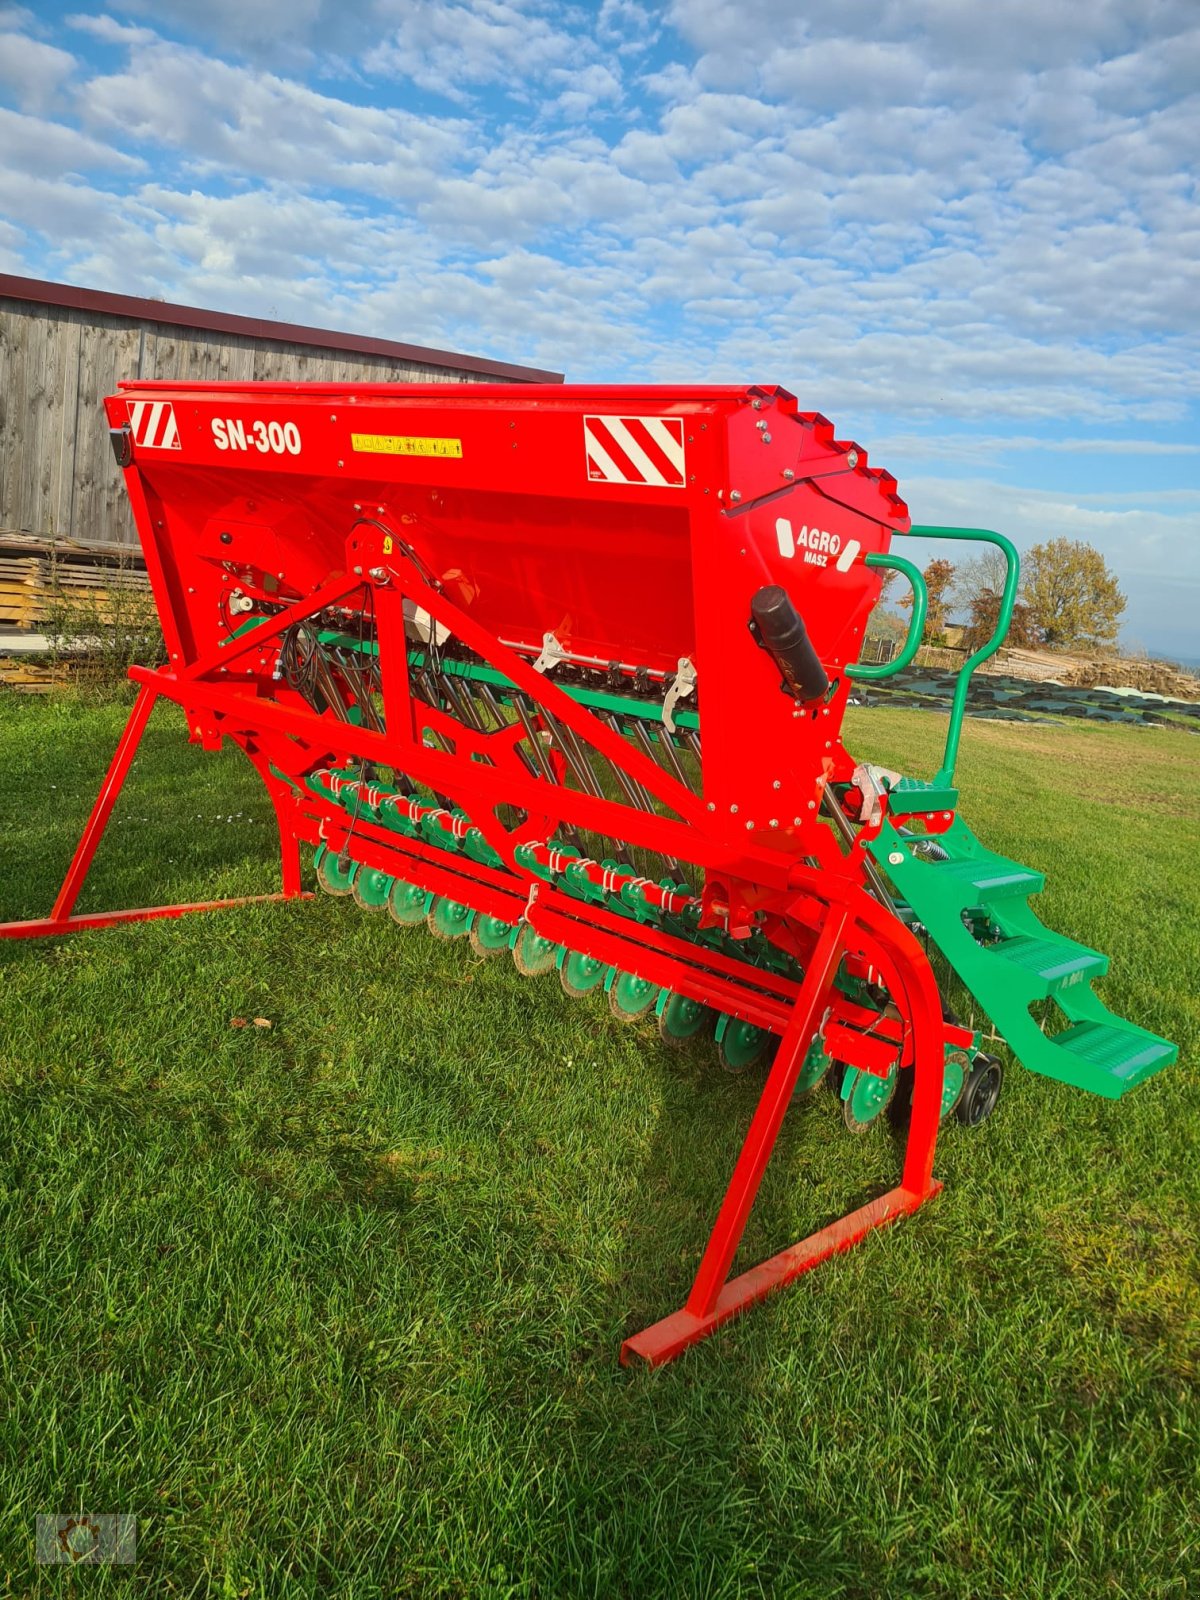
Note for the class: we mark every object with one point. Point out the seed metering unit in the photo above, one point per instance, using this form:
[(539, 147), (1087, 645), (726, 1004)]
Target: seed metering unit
[(562, 671)]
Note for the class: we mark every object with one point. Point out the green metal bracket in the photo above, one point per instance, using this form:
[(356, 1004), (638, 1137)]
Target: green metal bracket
[(243, 628), (916, 626), (985, 652)]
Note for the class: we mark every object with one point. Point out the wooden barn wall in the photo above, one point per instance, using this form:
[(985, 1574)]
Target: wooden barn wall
[(58, 477)]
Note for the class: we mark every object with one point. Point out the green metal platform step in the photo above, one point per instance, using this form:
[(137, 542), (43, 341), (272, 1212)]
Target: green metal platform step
[(1057, 962), (987, 877), (975, 892), (1124, 1054)]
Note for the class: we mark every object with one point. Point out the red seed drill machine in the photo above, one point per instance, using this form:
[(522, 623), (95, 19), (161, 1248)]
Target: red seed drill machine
[(562, 671)]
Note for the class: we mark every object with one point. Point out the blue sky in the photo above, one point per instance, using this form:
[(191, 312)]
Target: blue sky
[(968, 232)]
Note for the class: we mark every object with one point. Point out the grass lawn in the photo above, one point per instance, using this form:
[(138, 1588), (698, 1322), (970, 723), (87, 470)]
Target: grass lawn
[(334, 1307)]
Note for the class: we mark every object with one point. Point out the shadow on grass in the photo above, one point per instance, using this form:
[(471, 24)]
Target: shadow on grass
[(691, 1160)]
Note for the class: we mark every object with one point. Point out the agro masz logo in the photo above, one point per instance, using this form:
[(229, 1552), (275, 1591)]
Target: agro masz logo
[(817, 545)]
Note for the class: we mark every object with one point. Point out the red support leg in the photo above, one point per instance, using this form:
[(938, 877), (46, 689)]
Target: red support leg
[(768, 1119), (50, 927), (114, 780), (289, 843), (61, 920), (715, 1297)]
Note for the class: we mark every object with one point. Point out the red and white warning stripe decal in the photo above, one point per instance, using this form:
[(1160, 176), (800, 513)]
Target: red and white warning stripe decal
[(635, 450), (152, 423)]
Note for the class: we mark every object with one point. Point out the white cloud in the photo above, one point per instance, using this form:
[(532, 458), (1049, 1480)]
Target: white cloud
[(33, 72), (109, 31), (35, 147), (627, 27), (249, 122), (905, 259), (830, 74), (14, 246), (277, 26), (449, 48), (977, 449), (585, 90)]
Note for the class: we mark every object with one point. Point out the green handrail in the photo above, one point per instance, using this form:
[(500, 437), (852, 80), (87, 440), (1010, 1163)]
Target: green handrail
[(985, 652), (916, 626)]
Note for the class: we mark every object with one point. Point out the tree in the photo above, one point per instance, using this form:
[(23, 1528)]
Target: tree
[(982, 574), (1073, 599), (985, 613), (938, 577), (883, 623), (887, 578)]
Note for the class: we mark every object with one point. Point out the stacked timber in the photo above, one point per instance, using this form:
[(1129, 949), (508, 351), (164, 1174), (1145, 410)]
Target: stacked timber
[(22, 578), (34, 677), (40, 578)]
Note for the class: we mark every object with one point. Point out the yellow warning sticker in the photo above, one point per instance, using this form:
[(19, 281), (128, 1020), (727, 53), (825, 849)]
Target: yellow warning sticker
[(390, 444)]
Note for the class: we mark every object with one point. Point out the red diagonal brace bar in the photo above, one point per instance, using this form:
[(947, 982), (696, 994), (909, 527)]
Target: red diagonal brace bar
[(442, 771), (61, 920), (51, 927), (326, 594)]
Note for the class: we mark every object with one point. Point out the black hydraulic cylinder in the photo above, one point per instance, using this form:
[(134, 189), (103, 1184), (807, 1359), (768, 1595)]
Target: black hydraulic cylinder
[(781, 630)]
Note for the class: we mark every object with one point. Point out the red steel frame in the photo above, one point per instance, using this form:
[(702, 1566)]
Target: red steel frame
[(822, 913)]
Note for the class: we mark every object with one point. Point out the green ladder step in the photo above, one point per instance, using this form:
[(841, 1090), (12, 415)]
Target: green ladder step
[(1125, 1055), (1097, 1051), (913, 795), (1057, 962), (991, 877)]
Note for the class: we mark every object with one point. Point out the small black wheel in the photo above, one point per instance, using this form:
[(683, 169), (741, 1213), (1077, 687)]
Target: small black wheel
[(980, 1092)]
